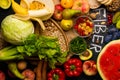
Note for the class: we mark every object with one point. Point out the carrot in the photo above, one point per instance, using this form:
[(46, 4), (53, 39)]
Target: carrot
[(39, 70), (44, 71)]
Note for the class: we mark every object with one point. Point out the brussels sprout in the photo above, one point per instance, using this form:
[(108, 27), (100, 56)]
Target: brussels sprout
[(15, 31)]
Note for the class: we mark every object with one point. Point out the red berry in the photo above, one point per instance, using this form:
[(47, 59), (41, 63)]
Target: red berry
[(76, 27)]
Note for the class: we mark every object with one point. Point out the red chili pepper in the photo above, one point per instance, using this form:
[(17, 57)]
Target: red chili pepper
[(56, 74), (73, 67)]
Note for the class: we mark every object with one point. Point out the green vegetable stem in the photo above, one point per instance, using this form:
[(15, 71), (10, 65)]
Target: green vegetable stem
[(10, 53), (13, 68)]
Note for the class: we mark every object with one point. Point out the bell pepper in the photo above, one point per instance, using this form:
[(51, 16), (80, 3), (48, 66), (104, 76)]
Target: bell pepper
[(56, 74), (73, 67)]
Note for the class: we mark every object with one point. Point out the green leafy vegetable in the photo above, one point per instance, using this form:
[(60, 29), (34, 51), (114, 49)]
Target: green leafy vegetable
[(44, 47), (78, 45), (15, 30)]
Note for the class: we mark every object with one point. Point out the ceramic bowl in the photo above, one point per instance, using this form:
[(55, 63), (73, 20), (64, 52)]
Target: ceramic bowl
[(84, 26)]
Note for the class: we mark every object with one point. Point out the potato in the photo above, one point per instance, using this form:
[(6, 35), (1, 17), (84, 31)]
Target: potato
[(22, 65)]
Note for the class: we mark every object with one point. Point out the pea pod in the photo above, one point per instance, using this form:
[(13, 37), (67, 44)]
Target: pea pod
[(13, 68)]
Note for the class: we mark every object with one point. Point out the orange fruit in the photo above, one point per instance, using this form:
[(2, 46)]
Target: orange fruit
[(67, 3)]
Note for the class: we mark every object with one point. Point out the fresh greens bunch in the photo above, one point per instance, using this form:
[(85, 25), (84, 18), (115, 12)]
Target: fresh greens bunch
[(45, 47)]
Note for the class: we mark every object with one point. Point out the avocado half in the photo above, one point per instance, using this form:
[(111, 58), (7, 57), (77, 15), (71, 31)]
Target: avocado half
[(5, 4), (86, 55)]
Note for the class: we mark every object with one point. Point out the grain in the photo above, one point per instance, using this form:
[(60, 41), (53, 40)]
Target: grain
[(52, 30)]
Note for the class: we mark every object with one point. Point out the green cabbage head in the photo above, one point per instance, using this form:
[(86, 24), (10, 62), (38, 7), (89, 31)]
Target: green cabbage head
[(15, 31)]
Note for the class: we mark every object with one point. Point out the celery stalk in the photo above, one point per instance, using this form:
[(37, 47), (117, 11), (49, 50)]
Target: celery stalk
[(10, 53), (11, 57), (5, 49)]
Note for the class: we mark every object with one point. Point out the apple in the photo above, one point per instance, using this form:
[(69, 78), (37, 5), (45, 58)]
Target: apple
[(90, 68), (2, 75), (82, 5), (57, 15)]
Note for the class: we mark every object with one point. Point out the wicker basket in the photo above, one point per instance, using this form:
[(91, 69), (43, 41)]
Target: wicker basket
[(52, 29)]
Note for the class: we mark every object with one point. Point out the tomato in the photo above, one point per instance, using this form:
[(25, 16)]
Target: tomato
[(73, 67)]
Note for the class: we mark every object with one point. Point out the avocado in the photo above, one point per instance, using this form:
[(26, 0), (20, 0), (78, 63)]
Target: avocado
[(86, 55)]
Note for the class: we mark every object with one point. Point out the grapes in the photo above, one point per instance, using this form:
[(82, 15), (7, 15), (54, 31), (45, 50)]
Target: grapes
[(108, 38), (112, 30), (112, 34), (109, 18)]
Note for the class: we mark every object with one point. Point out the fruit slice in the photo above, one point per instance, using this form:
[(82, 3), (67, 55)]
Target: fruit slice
[(100, 0), (43, 9), (108, 3), (108, 61), (116, 17), (86, 55), (5, 4), (118, 25), (105, 1)]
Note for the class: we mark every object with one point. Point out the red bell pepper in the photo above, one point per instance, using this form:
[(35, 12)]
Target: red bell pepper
[(56, 74), (73, 67)]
